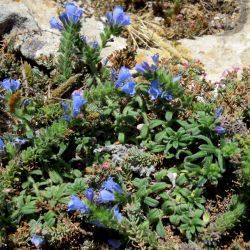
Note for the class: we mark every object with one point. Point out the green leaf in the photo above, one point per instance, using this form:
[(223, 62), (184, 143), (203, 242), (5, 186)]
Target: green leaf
[(168, 116), (161, 174), (77, 173), (158, 148), (157, 187), (121, 137), (55, 177), (154, 215), (160, 136), (144, 131), (151, 202), (174, 219), (155, 123), (160, 229)]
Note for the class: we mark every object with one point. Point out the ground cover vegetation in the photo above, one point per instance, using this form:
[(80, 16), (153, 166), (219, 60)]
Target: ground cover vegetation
[(108, 158)]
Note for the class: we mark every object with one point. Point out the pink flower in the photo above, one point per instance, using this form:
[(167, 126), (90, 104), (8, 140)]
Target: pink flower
[(105, 165)]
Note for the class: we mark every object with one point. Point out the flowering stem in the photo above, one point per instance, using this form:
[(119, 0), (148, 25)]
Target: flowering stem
[(67, 49)]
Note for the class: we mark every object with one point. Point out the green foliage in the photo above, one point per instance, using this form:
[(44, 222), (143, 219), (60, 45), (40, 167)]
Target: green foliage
[(230, 218)]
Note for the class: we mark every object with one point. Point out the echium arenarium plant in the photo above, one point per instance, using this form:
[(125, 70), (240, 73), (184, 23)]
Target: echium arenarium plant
[(118, 162)]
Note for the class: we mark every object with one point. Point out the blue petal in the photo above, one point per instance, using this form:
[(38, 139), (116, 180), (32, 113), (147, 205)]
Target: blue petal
[(124, 74), (65, 106), (154, 90), (109, 16), (89, 194), (2, 145), (106, 196), (129, 88), (111, 185), (55, 24), (64, 18), (84, 39), (218, 112), (9, 84), (117, 214), (77, 102), (142, 67), (76, 204), (73, 12), (155, 58), (37, 240), (117, 12), (220, 130)]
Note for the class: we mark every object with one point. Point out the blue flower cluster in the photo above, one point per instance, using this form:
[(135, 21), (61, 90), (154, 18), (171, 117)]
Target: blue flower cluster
[(77, 102), (118, 17), (10, 84), (125, 82), (107, 194), (145, 67), (109, 188), (72, 14), (156, 91)]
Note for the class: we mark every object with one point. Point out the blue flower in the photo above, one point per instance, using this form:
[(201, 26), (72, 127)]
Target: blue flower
[(94, 44), (9, 84), (89, 194), (154, 90), (155, 58), (129, 88), (220, 130), (167, 96), (77, 102), (84, 39), (111, 185), (106, 196), (2, 145), (144, 67), (37, 240), (123, 76), (76, 204), (218, 112), (117, 214), (124, 81), (114, 243), (118, 17), (55, 24), (72, 14)]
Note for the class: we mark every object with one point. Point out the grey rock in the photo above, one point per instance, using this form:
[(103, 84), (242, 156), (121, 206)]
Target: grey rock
[(27, 21)]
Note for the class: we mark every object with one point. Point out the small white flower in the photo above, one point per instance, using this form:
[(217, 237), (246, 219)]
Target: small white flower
[(172, 178), (139, 126)]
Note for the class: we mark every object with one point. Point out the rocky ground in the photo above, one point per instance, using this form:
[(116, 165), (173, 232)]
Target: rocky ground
[(26, 24)]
